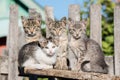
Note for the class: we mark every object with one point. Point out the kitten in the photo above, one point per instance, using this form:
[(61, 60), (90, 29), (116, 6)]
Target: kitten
[(38, 54), (58, 30), (32, 28), (84, 54)]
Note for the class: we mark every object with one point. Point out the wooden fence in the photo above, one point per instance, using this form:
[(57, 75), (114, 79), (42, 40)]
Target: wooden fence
[(9, 66)]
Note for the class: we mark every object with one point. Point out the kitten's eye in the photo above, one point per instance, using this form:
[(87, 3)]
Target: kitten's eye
[(54, 29), (70, 30), (60, 29), (46, 47), (37, 29), (73, 29), (80, 29), (53, 47), (26, 31)]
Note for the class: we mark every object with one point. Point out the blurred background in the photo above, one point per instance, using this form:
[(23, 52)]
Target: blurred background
[(61, 10)]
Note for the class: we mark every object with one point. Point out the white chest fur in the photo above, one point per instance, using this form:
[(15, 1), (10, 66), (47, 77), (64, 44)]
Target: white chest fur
[(41, 57)]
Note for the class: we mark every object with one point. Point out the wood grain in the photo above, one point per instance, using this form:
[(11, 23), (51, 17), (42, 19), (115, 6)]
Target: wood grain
[(117, 39), (95, 23), (71, 74), (13, 44)]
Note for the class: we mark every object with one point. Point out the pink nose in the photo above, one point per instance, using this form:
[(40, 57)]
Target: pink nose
[(50, 52)]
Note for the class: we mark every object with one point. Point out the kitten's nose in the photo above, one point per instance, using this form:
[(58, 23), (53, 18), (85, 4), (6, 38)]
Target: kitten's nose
[(50, 51), (77, 34)]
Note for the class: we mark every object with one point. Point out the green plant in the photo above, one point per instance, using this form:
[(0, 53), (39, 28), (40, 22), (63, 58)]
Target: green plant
[(107, 23)]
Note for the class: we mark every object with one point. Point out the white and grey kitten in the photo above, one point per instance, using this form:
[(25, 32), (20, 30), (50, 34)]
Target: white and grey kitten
[(84, 54), (38, 54)]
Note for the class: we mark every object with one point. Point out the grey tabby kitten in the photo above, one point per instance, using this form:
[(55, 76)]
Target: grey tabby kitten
[(58, 30), (38, 54), (32, 28), (84, 54)]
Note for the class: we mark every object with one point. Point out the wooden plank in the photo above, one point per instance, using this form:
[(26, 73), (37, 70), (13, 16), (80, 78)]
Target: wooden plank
[(74, 12), (95, 23), (32, 12), (4, 62), (71, 74), (117, 39), (48, 14), (13, 43), (21, 40), (4, 65)]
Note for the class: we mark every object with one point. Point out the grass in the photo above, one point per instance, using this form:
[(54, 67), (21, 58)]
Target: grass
[(42, 78)]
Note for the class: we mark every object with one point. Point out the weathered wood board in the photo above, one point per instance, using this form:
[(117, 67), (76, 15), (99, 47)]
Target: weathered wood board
[(71, 74)]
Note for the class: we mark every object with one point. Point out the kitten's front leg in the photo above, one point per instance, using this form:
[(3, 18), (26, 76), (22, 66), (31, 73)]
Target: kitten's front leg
[(64, 50), (61, 62), (72, 59), (64, 57), (73, 64)]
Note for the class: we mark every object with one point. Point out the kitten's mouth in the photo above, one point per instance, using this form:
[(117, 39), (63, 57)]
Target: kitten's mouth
[(50, 54), (77, 37), (31, 35)]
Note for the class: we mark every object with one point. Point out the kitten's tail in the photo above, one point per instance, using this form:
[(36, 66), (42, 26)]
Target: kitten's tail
[(85, 66), (105, 69)]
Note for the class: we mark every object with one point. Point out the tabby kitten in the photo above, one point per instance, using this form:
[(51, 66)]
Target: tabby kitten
[(38, 54), (32, 28), (58, 30), (84, 54)]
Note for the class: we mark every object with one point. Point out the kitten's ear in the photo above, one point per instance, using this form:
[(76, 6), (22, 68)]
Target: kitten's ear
[(63, 21), (70, 22), (22, 17), (38, 19), (56, 41), (84, 24), (38, 16), (43, 43), (50, 22), (24, 20)]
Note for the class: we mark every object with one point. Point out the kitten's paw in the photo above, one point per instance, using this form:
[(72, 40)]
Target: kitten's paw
[(65, 68), (49, 67), (57, 66), (38, 67), (44, 67)]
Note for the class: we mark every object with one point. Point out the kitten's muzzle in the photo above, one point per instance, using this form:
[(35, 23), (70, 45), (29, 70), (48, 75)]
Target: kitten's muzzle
[(77, 37), (31, 35), (50, 54)]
